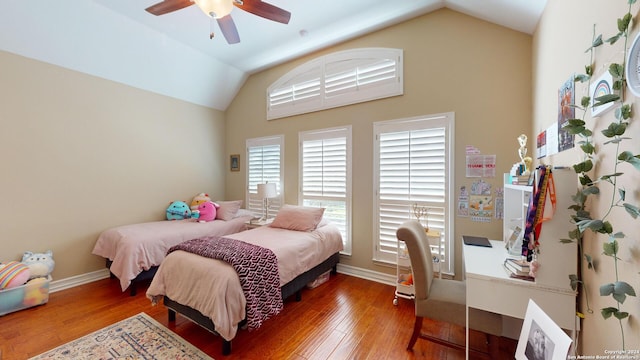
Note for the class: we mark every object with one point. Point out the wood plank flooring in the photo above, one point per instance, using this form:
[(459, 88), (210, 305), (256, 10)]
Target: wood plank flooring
[(345, 318)]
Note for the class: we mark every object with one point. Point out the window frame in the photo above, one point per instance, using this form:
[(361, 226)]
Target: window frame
[(252, 202), (304, 89), (446, 121), (327, 134)]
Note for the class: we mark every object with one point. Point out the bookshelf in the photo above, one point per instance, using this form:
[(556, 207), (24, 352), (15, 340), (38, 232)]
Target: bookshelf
[(557, 260)]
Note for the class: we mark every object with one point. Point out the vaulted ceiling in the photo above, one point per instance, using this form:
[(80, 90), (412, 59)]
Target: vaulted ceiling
[(174, 55)]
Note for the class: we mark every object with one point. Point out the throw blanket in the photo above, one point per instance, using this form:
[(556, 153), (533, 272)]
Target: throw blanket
[(257, 268)]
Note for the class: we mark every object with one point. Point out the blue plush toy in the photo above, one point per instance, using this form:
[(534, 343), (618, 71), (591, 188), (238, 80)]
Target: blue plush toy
[(178, 210), (39, 264)]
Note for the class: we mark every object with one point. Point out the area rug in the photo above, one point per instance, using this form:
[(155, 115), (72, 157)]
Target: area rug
[(138, 337)]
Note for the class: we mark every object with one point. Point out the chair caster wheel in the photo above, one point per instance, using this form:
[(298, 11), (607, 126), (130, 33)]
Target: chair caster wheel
[(395, 301)]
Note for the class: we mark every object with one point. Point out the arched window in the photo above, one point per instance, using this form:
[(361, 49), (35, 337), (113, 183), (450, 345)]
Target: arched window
[(338, 79)]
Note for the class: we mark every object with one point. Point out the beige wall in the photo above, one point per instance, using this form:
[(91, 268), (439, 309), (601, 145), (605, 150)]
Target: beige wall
[(80, 154), (452, 62), (563, 34)]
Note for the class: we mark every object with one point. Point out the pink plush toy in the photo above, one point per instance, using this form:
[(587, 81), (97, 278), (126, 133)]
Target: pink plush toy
[(208, 211), (13, 274)]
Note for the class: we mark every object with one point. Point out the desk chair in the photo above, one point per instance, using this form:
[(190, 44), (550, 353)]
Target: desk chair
[(441, 299)]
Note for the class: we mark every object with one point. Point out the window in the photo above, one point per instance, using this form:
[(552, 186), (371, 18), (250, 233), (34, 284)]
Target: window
[(338, 79), (413, 164), (264, 164), (325, 173)]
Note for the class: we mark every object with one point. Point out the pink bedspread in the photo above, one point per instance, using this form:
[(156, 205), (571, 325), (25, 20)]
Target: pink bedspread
[(213, 287), (137, 247)]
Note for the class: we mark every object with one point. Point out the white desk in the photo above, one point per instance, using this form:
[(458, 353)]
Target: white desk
[(490, 288)]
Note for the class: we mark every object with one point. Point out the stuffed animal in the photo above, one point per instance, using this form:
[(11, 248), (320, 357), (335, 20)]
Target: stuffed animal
[(208, 211), (13, 274), (199, 199), (40, 264), (178, 210)]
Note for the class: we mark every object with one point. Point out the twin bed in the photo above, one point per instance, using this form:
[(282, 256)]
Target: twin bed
[(134, 252), (206, 280)]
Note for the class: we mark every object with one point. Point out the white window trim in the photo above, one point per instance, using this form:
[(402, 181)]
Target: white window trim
[(309, 78), (251, 194), (328, 134), (446, 120)]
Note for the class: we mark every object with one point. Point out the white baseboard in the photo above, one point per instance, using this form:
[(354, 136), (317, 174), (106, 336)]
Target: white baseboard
[(78, 280), (367, 274)]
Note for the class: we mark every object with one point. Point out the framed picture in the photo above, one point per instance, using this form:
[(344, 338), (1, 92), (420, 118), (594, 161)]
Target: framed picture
[(601, 87), (234, 160), (541, 338)]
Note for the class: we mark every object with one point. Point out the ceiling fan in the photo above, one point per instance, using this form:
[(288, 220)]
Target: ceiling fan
[(221, 11)]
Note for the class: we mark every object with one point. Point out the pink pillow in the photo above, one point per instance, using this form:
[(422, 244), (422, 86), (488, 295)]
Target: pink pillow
[(301, 218), (228, 209)]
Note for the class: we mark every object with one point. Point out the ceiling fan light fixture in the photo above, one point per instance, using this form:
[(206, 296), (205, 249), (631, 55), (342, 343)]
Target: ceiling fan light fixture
[(215, 8)]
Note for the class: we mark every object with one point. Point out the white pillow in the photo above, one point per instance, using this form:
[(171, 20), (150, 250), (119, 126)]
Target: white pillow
[(228, 209), (300, 218)]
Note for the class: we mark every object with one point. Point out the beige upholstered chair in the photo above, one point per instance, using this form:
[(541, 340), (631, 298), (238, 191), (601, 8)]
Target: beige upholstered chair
[(441, 299)]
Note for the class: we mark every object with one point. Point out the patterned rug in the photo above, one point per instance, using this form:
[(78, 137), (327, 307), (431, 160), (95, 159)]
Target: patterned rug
[(138, 337)]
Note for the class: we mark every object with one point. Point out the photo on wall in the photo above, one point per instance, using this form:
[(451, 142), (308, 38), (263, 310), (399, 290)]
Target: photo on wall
[(566, 111), (602, 86)]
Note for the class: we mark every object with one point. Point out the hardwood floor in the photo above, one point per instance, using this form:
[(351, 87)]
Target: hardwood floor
[(345, 318)]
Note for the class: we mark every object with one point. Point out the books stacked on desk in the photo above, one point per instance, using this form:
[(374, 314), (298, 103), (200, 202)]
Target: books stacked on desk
[(518, 269)]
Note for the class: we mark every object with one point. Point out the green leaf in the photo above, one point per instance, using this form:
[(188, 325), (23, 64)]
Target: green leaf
[(618, 235), (574, 281), (597, 41), (589, 260), (612, 40), (632, 210), (623, 23), (621, 315), (593, 225), (610, 248), (588, 148), (583, 167), (606, 289), (618, 85), (607, 228), (608, 311), (628, 157), (616, 70), (607, 177), (605, 99), (591, 190), (622, 193), (620, 291), (623, 112), (585, 101), (631, 2), (581, 78), (614, 129)]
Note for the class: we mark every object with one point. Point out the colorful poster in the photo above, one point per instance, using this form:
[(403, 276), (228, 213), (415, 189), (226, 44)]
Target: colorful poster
[(541, 145), (481, 165), (566, 111)]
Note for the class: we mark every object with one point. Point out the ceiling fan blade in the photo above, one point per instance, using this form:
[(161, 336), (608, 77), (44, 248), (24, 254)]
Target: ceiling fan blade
[(168, 6), (229, 30), (265, 10)]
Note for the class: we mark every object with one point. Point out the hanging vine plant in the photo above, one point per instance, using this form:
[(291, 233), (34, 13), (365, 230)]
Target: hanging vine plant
[(614, 136)]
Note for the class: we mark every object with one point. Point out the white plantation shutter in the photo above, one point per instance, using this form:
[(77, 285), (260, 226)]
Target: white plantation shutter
[(413, 160), (325, 173), (337, 79), (264, 164)]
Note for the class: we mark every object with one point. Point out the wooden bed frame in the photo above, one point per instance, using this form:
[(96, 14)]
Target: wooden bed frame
[(293, 287)]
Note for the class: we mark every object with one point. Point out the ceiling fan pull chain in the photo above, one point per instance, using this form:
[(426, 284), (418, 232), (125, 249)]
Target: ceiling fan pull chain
[(211, 34)]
